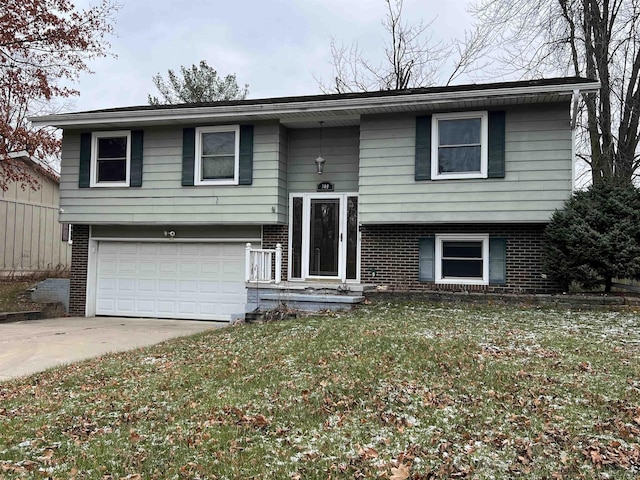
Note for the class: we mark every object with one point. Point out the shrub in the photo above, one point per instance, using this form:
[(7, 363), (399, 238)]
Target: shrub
[(595, 238)]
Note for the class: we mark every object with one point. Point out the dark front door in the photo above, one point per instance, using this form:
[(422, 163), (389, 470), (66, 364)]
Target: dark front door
[(324, 236)]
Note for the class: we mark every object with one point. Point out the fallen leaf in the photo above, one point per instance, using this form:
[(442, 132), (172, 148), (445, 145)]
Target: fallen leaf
[(260, 421), (367, 452), (400, 473)]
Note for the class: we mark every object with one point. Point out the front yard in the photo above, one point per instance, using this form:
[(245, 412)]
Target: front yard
[(395, 391), (15, 295)]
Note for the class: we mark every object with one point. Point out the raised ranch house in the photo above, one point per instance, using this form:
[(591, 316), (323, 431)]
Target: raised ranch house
[(427, 189)]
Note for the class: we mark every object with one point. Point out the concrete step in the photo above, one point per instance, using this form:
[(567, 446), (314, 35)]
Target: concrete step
[(313, 298)]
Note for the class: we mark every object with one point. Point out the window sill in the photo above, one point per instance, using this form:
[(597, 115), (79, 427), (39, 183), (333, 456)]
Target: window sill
[(214, 183), (458, 176), (461, 281), (109, 185)]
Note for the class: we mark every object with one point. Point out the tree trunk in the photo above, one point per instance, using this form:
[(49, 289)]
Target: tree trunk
[(608, 282)]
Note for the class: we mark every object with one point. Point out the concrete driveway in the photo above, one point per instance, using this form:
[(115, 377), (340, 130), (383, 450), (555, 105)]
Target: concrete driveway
[(32, 346)]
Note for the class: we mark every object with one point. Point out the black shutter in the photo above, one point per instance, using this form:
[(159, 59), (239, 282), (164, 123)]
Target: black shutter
[(497, 261), (423, 148), (427, 261), (188, 156), (245, 175), (84, 177), (137, 137), (496, 144)]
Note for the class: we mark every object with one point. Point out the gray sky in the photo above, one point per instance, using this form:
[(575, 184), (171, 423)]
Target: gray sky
[(276, 46)]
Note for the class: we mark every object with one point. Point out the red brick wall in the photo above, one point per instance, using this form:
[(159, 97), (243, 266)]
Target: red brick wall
[(274, 234), (79, 259), (392, 252)]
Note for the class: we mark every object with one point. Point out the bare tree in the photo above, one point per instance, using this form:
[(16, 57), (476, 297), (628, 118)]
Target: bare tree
[(411, 58), (44, 46), (597, 39), (199, 83)]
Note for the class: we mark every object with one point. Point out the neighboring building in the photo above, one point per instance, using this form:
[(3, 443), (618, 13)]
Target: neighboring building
[(31, 239), (445, 188)]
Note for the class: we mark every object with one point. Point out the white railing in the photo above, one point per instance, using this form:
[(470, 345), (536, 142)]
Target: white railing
[(259, 263)]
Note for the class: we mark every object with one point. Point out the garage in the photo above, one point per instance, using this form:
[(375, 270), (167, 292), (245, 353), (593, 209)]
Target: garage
[(202, 281)]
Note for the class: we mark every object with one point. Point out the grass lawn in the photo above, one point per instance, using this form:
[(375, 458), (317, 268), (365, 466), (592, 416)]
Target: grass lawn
[(394, 391), (14, 296)]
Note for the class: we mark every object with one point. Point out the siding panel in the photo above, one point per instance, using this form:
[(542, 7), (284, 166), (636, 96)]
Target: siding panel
[(162, 193), (537, 173), (30, 235), (340, 147)]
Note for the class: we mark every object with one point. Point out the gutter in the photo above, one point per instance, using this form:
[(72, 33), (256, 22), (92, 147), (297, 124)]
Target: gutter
[(574, 107), (274, 109), (574, 120)]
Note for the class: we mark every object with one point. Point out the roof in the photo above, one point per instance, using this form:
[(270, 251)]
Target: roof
[(36, 164), (334, 109)]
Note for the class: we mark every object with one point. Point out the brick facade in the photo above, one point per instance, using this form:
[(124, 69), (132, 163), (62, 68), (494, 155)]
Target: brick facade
[(274, 234), (78, 277), (392, 252), (390, 257)]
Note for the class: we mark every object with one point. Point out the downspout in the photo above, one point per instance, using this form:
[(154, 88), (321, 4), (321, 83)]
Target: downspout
[(574, 120)]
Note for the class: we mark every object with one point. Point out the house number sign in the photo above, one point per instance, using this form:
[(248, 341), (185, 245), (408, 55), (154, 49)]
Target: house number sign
[(325, 187)]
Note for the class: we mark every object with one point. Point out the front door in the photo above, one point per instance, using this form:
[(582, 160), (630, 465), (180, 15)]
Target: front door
[(324, 236)]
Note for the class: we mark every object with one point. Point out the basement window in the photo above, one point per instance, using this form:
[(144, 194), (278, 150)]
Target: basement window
[(462, 259)]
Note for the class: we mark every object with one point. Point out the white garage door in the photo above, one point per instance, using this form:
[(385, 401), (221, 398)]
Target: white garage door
[(203, 281)]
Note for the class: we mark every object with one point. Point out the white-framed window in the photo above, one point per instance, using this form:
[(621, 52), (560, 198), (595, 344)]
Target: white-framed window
[(459, 145), (217, 155), (462, 259), (110, 159)]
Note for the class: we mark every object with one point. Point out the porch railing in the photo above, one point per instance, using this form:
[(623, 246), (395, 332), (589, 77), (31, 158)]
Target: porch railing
[(259, 264)]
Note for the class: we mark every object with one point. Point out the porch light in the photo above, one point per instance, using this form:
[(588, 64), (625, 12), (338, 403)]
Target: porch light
[(320, 161)]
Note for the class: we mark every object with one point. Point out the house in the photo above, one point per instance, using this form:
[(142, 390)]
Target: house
[(445, 188), (31, 239)]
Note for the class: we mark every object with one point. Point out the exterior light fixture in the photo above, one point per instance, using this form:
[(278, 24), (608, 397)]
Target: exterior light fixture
[(320, 161)]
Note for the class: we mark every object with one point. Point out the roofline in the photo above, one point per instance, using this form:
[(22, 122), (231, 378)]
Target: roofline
[(24, 156), (311, 104)]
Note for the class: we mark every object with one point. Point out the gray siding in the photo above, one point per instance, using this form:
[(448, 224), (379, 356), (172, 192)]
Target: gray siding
[(375, 159), (537, 173), (30, 235), (204, 232), (283, 175), (162, 199), (340, 150)]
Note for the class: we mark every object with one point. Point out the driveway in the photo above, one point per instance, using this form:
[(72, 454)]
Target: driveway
[(35, 345)]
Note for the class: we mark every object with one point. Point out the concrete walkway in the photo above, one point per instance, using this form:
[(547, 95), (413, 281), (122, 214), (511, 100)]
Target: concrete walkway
[(32, 346)]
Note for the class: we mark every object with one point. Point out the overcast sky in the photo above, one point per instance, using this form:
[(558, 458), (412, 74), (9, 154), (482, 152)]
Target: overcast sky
[(275, 46)]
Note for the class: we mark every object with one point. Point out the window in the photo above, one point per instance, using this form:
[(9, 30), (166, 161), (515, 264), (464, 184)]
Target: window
[(110, 159), (459, 143), (217, 155), (462, 259)]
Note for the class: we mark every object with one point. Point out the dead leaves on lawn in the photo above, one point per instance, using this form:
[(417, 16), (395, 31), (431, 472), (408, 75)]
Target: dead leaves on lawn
[(411, 393), (230, 415), (614, 454)]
